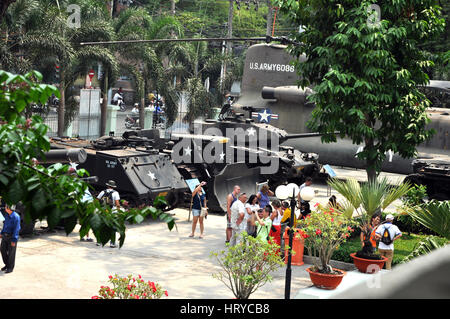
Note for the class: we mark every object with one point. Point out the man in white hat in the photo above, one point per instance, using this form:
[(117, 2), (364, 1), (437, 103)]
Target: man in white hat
[(112, 198), (387, 233)]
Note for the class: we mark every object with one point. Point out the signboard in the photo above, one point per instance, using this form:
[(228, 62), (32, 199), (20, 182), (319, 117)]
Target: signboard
[(91, 74), (192, 183), (329, 170)]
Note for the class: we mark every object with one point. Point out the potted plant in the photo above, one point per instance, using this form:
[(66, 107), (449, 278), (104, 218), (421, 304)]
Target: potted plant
[(363, 202), (130, 287), (324, 230), (247, 265)]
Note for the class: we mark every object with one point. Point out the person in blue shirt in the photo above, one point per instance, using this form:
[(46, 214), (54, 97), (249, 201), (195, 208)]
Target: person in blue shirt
[(198, 201), (9, 236)]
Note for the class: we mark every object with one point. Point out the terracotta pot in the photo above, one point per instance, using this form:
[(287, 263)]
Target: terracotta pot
[(368, 266), (326, 281), (297, 247)]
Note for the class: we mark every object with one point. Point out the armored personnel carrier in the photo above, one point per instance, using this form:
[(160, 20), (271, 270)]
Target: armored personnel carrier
[(140, 171), (435, 175)]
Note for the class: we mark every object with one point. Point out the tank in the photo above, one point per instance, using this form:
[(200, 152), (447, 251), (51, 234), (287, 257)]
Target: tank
[(269, 94), (238, 151), (435, 175), (140, 170)]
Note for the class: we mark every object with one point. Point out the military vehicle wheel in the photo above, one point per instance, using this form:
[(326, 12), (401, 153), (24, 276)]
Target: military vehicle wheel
[(440, 197), (414, 179)]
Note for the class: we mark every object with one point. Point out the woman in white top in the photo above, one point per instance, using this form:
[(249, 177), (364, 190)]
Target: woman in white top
[(276, 217), (250, 207)]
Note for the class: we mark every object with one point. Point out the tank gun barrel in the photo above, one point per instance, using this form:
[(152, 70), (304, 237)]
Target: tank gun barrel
[(303, 135), (287, 94), (73, 155)]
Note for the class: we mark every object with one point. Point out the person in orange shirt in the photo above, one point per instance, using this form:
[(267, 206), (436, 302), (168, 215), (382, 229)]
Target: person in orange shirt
[(374, 223)]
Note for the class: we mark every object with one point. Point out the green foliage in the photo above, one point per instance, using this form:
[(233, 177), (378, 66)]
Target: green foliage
[(324, 230), (49, 192), (247, 265), (415, 196), (423, 247), (404, 246), (434, 215), (366, 75)]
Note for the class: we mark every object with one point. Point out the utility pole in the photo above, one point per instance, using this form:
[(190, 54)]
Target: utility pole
[(104, 106), (172, 7), (228, 49), (269, 18)]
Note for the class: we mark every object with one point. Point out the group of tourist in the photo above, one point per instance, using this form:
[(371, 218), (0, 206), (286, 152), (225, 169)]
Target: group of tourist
[(262, 219), (254, 214)]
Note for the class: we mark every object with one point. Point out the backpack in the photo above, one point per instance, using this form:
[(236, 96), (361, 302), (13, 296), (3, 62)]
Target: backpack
[(386, 237), (107, 199)]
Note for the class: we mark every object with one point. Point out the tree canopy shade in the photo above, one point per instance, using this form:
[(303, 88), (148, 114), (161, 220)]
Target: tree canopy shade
[(366, 71)]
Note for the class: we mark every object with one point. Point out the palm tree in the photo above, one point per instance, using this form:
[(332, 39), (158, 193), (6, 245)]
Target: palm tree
[(434, 215), (47, 39), (145, 61), (367, 199)]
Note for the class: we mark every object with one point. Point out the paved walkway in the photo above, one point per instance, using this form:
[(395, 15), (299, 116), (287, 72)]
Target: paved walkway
[(53, 265)]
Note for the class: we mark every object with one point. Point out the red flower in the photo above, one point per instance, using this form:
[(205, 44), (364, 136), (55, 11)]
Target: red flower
[(129, 287), (165, 292), (110, 277), (305, 235), (139, 276), (318, 232), (95, 297), (317, 204)]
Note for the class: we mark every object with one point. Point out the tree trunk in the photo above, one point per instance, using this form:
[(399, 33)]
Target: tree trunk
[(370, 164), (230, 25), (141, 107), (104, 106), (62, 103)]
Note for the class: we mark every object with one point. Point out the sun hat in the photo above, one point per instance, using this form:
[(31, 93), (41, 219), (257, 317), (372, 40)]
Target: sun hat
[(390, 217), (111, 183)]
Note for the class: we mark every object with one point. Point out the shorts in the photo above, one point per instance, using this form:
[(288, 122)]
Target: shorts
[(196, 212)]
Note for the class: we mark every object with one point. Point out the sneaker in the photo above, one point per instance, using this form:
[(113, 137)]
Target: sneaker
[(89, 239), (113, 245), (4, 268), (98, 244), (82, 239)]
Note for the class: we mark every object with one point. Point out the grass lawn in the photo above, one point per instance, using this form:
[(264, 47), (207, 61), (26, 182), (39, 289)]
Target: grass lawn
[(402, 247)]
